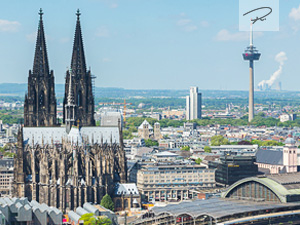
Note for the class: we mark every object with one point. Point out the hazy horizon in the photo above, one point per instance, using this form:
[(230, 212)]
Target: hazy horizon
[(150, 44)]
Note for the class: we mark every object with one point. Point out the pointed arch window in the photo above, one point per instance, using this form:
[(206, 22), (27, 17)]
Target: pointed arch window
[(79, 98), (42, 99)]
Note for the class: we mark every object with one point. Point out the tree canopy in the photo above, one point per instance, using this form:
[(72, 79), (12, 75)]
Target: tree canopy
[(198, 161), (185, 148), (90, 219), (207, 149), (218, 140), (11, 116), (150, 143), (107, 202), (267, 143)]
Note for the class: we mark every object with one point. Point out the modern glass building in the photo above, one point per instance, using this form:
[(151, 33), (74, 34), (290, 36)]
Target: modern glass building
[(234, 168), (194, 104)]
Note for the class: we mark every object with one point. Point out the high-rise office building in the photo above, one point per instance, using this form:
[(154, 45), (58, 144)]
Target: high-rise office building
[(194, 104)]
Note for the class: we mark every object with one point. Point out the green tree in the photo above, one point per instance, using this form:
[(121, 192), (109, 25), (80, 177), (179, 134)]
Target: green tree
[(256, 142), (90, 219), (166, 136), (267, 143), (150, 143), (87, 218), (207, 149), (261, 114), (198, 161), (132, 129), (272, 143), (9, 154), (185, 148), (127, 134), (107, 202), (103, 220), (218, 140)]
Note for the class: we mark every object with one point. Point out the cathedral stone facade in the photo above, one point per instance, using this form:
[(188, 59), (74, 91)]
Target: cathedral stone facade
[(65, 165)]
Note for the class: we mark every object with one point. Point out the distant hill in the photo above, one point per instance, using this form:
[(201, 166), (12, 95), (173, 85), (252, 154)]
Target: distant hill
[(19, 89)]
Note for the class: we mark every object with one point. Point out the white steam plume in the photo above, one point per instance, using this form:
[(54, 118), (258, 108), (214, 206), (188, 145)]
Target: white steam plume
[(280, 58)]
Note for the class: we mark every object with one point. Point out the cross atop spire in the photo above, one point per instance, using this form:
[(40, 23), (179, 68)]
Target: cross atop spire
[(78, 14), (41, 13)]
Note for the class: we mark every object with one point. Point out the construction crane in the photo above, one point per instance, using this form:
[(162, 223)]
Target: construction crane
[(124, 110)]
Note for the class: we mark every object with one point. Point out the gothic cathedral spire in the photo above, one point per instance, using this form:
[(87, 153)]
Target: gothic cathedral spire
[(40, 63), (81, 82), (40, 100), (70, 107), (78, 65)]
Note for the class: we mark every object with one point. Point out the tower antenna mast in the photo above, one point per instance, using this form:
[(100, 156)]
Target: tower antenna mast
[(251, 54)]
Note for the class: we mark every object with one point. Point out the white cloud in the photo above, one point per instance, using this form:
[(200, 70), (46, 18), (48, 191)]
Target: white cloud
[(186, 24), (204, 23), (114, 5), (190, 28), (295, 14), (183, 22), (9, 26), (225, 35), (102, 32)]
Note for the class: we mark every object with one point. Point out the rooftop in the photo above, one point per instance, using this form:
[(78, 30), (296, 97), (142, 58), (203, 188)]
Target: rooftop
[(145, 123), (216, 207), (285, 186), (166, 154), (269, 156), (126, 189), (38, 135)]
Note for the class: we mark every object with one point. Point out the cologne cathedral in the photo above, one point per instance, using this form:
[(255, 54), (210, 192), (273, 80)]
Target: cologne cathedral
[(65, 165)]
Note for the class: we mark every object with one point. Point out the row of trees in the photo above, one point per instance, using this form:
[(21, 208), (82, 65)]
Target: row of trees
[(16, 116), (259, 120), (221, 140), (11, 116)]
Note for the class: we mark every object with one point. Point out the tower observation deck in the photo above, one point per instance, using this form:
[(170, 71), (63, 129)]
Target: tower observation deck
[(251, 54)]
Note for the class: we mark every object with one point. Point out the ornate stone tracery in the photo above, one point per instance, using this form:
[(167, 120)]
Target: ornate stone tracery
[(67, 175)]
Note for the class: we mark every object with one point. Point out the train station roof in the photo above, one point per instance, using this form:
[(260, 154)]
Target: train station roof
[(218, 207)]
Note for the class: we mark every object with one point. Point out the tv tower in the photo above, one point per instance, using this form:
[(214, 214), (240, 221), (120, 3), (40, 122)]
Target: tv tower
[(251, 54)]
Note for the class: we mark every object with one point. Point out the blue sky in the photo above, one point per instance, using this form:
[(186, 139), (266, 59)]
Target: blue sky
[(149, 44)]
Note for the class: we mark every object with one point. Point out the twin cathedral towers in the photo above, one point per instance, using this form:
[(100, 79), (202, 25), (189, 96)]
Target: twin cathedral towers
[(40, 101), (65, 167)]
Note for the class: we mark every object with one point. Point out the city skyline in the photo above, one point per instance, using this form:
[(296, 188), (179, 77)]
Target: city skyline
[(166, 44), (96, 124)]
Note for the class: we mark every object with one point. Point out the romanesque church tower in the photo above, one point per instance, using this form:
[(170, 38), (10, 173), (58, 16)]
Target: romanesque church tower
[(40, 101), (81, 83)]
